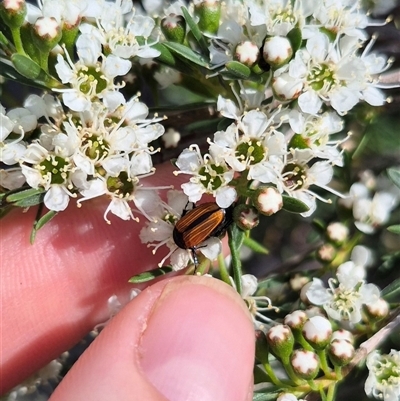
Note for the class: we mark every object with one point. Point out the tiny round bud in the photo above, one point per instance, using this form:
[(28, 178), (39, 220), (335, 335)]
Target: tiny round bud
[(13, 12), (344, 335), (246, 216), (341, 352), (267, 200), (277, 51), (337, 233), (313, 310), (298, 281), (326, 253), (209, 13), (377, 310), (296, 319), (305, 364), (281, 341), (285, 89), (174, 28), (317, 331), (247, 53), (303, 293), (46, 33), (261, 347)]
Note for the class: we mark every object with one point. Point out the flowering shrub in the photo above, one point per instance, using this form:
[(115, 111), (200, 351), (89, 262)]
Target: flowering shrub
[(279, 84)]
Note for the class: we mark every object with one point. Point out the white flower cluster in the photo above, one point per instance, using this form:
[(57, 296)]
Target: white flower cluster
[(92, 153), (95, 142), (254, 148)]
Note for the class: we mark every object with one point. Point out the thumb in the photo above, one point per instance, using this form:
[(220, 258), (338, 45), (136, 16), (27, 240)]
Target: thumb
[(187, 338)]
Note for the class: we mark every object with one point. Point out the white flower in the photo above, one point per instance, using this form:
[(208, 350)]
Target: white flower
[(369, 212), (251, 145), (298, 177), (92, 76), (51, 171), (344, 298), (119, 36), (256, 304), (314, 133), (209, 176), (12, 147), (383, 381), (331, 73)]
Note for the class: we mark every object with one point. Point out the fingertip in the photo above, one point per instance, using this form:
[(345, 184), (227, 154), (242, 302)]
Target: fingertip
[(184, 338)]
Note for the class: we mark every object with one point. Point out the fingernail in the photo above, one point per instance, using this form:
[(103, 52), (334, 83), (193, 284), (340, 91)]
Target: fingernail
[(199, 342)]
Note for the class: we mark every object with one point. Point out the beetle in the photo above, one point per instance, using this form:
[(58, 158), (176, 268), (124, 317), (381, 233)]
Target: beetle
[(200, 223)]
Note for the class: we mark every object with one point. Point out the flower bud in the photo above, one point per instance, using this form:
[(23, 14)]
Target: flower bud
[(377, 310), (13, 12), (296, 319), (46, 33), (338, 233), (285, 89), (281, 341), (246, 216), (261, 347), (341, 352), (305, 364), (326, 253), (298, 281), (267, 200), (247, 53), (277, 51), (344, 335), (317, 331), (174, 28), (209, 13)]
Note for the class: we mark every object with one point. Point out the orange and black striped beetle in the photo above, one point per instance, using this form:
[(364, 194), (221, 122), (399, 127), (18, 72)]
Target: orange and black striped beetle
[(200, 223)]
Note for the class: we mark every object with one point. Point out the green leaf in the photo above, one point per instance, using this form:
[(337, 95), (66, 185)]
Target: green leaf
[(395, 229), (26, 66), (186, 53), (197, 34), (235, 240), (269, 394), (26, 197), (238, 70), (294, 205), (40, 223), (165, 56), (150, 275), (391, 293), (255, 246), (394, 175), (295, 39)]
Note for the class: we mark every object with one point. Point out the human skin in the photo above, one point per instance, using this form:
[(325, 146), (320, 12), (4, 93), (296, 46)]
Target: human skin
[(182, 338)]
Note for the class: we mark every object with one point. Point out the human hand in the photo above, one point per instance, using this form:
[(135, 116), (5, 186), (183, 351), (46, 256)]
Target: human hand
[(183, 338)]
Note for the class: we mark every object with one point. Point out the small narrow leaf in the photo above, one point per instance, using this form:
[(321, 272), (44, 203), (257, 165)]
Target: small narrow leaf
[(391, 293), (26, 66), (165, 56), (23, 194), (150, 275), (186, 53), (237, 69), (197, 34), (255, 246), (394, 175), (41, 222), (294, 205)]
